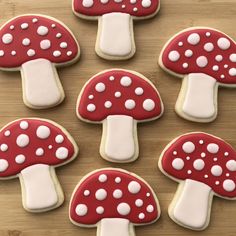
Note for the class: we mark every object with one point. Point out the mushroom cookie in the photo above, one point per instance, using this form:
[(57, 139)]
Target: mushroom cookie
[(119, 99), (30, 149), (206, 59), (115, 37), (204, 166), (36, 45), (114, 201)]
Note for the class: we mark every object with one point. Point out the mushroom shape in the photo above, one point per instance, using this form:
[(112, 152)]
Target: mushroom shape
[(206, 59), (36, 45), (114, 201), (30, 149), (119, 99), (205, 166), (115, 37)]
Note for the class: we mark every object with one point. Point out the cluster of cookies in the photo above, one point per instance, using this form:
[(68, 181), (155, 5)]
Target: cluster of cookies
[(115, 200)]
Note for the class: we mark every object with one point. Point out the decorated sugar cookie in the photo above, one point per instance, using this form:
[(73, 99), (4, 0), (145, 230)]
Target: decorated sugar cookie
[(205, 166), (119, 99), (115, 37), (36, 45), (30, 149), (114, 201), (206, 59)]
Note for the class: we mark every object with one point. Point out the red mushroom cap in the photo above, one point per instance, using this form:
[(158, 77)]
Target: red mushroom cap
[(27, 142), (30, 37), (201, 50), (119, 92), (204, 158), (113, 193), (137, 8)]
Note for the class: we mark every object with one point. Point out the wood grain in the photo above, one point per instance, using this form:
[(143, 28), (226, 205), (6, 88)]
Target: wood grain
[(150, 35)]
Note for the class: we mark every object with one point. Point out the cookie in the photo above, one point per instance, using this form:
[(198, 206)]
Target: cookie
[(31, 149), (36, 45), (204, 166), (119, 99), (115, 37), (205, 58), (114, 201)]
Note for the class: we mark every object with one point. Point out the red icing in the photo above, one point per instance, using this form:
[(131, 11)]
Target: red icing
[(10, 61), (98, 8), (118, 104), (110, 204), (209, 161), (198, 50), (28, 151)]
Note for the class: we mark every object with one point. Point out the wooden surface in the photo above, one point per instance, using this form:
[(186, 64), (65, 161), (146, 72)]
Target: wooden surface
[(150, 35)]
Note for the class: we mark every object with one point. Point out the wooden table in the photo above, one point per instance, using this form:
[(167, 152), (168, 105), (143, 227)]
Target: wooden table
[(150, 35)]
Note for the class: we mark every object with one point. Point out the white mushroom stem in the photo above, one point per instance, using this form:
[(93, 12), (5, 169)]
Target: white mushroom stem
[(40, 188), (119, 138), (191, 206), (41, 85), (115, 37), (198, 97), (115, 227)]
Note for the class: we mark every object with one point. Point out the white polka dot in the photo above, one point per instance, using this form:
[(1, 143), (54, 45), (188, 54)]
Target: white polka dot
[(24, 26), (7, 38), (139, 203), (86, 193), (133, 1), (148, 105), (178, 164), (100, 87), (203, 154), (189, 172), (199, 164), (49, 146), (141, 216), (35, 20), (30, 52), (226, 66), (188, 53), (56, 53), (193, 39), (175, 153), (62, 153), (180, 44), (3, 165), (1, 53), (117, 94), (42, 30), (12, 27), (223, 43), (212, 148), (229, 185), (111, 78), (222, 76), (69, 53), (101, 194), (7, 133), (146, 3), (188, 147), (134, 187), (43, 132), (219, 58), (91, 107), (81, 210), (126, 81), (24, 125), (232, 57), (205, 176), (138, 91), (117, 194), (135, 9), (216, 170), (108, 104), (226, 154), (39, 152), (123, 6), (150, 208), (58, 35), (215, 68), (123, 209), (22, 140), (104, 1), (174, 56), (187, 158), (130, 104), (20, 159), (185, 65), (209, 47), (13, 53), (231, 165), (117, 180), (26, 42), (53, 26), (59, 138), (100, 210), (87, 3), (148, 194), (91, 97), (208, 34), (232, 72), (63, 45), (102, 178), (4, 147), (217, 182), (202, 61), (45, 44)]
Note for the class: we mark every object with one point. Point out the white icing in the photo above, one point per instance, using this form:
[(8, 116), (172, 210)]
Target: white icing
[(117, 180), (208, 34), (227, 174), (123, 209), (30, 52), (45, 44), (7, 38), (199, 164), (104, 1), (229, 185), (22, 140), (42, 30), (226, 66), (139, 203), (188, 158), (102, 178), (175, 153), (180, 44), (219, 58), (203, 154), (217, 182), (3, 147), (146, 3), (1, 53), (178, 164), (189, 172), (100, 210), (148, 194), (50, 147), (24, 26), (188, 147), (215, 68), (87, 3), (174, 56), (26, 42), (202, 61), (117, 94), (43, 132), (215, 159), (12, 27), (20, 159), (69, 53), (185, 65), (133, 1), (148, 105), (63, 45), (141, 216), (100, 87), (86, 193), (126, 81), (135, 9), (231, 165), (39, 152), (134, 187), (3, 165), (222, 76), (58, 35), (91, 107), (111, 78), (130, 104), (24, 125), (62, 153), (59, 138), (232, 72), (53, 26), (193, 39), (216, 170), (91, 97), (35, 20), (7, 133), (81, 210), (139, 91), (56, 53), (123, 6), (232, 57), (117, 194), (212, 148), (188, 53), (101, 194), (209, 47), (108, 104), (223, 43), (205, 176), (150, 208)]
